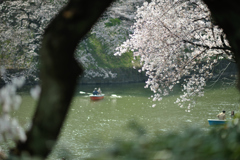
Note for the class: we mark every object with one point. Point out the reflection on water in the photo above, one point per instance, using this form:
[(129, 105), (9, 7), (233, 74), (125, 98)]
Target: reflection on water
[(92, 125)]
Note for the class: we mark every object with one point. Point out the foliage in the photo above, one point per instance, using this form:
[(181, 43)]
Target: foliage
[(98, 58), (97, 49), (21, 32), (175, 41), (24, 23), (113, 22), (220, 142), (92, 54)]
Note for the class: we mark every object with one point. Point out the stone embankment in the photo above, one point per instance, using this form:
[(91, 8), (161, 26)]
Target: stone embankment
[(131, 75)]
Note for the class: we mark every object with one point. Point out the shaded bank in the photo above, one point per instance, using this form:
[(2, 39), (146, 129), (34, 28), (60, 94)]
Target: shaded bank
[(123, 75), (130, 75)]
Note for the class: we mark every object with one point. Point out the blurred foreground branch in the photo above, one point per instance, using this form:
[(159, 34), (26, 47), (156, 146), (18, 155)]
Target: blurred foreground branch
[(59, 73)]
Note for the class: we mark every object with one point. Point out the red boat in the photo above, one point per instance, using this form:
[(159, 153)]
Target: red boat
[(96, 97)]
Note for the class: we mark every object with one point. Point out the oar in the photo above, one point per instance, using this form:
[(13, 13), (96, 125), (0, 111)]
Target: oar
[(82, 92)]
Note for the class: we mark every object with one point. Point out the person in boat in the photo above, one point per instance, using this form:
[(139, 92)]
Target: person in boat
[(95, 92), (221, 116), (232, 114), (99, 91)]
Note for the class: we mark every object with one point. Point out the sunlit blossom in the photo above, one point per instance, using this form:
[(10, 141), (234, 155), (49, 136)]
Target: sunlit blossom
[(35, 92), (176, 41), (10, 101)]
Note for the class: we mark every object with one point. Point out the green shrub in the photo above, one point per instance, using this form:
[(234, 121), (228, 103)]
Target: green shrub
[(219, 143)]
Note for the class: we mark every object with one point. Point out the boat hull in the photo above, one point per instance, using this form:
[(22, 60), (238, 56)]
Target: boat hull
[(96, 97), (216, 122)]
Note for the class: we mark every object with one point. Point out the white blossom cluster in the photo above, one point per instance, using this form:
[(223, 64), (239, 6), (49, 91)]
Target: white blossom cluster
[(176, 41), (112, 33), (9, 102)]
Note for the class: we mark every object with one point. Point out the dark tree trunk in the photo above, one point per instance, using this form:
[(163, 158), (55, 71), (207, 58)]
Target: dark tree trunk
[(226, 14), (59, 73)]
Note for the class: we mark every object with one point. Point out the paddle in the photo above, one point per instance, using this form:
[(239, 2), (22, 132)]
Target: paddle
[(82, 92)]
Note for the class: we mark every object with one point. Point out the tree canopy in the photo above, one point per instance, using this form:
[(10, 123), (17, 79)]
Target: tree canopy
[(177, 42), (23, 27)]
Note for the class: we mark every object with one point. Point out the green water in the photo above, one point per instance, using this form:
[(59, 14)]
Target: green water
[(92, 125)]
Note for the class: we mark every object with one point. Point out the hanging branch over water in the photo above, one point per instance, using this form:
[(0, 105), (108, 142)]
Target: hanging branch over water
[(226, 14)]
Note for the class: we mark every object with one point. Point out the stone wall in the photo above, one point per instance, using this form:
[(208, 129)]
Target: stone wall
[(18, 73), (123, 76), (131, 75)]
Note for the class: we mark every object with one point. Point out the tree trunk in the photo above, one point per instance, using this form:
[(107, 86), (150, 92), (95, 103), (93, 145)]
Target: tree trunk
[(59, 73), (226, 14)]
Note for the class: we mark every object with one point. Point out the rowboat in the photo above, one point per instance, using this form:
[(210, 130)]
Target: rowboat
[(216, 122), (96, 97)]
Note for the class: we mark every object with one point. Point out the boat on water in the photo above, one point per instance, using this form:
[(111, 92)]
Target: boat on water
[(96, 97), (216, 122)]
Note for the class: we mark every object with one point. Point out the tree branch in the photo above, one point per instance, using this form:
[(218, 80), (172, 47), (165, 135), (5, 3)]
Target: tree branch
[(59, 73), (207, 47), (225, 14)]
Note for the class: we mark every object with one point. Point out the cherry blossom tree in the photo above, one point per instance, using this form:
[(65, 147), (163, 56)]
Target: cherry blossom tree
[(177, 42), (22, 26)]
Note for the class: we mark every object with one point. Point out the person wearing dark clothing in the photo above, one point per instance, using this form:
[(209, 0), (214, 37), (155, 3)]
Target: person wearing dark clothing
[(95, 92), (232, 114)]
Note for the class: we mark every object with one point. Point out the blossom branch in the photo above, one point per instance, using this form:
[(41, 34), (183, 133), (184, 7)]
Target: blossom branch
[(207, 47)]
